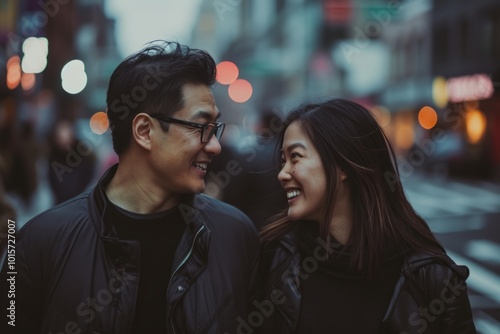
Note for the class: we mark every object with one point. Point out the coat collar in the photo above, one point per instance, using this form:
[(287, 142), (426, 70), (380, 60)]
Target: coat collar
[(190, 207)]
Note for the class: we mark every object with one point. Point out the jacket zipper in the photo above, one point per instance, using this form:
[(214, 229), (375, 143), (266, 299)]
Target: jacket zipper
[(177, 269)]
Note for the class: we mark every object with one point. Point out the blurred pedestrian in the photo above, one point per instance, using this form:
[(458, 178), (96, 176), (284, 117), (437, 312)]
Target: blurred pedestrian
[(21, 176), (142, 252), (350, 254), (71, 164), (265, 196), (255, 188)]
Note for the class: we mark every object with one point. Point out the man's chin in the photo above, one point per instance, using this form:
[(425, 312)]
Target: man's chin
[(198, 189)]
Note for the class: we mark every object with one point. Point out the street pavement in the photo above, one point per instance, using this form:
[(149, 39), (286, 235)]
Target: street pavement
[(465, 217)]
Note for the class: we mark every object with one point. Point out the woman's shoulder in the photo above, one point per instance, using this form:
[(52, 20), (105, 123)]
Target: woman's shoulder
[(418, 259), (434, 271)]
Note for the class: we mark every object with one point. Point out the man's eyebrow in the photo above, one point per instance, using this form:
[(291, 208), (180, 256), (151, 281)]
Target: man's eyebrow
[(203, 114)]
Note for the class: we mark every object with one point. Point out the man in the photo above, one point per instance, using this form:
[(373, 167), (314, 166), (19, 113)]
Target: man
[(141, 253)]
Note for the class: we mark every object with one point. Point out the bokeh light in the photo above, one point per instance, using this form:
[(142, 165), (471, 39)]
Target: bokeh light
[(475, 125), (74, 78), (28, 81), (440, 92), (227, 72), (427, 117), (13, 72), (35, 54), (99, 123), (404, 130), (240, 91)]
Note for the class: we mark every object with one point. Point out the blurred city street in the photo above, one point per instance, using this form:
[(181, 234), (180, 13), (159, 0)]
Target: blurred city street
[(428, 70), (465, 217)]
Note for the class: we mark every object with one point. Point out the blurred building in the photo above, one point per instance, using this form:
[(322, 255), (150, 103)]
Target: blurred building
[(394, 57), (56, 58), (445, 55), (96, 44), (70, 30), (283, 49)]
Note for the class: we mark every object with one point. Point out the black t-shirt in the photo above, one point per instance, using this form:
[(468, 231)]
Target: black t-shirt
[(158, 235)]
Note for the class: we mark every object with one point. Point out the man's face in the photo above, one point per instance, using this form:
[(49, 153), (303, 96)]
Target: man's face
[(179, 156)]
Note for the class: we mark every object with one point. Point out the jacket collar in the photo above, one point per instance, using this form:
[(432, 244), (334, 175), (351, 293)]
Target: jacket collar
[(189, 206), (98, 203)]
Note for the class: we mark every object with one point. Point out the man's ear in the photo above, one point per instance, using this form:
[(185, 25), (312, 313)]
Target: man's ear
[(142, 129)]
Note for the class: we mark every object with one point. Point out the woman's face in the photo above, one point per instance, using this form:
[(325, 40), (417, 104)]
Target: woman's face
[(302, 175)]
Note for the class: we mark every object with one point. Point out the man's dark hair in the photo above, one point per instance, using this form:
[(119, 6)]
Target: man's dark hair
[(151, 81)]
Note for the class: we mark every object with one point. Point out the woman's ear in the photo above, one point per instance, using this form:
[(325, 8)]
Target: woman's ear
[(142, 130), (342, 173)]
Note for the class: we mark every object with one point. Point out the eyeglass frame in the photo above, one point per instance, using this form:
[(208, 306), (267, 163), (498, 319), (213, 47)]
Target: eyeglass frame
[(203, 127)]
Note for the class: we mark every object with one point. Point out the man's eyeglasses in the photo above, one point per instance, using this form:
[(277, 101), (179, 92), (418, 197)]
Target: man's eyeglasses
[(207, 129)]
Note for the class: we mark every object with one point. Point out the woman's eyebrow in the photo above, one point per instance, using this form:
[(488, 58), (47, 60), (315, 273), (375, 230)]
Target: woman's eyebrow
[(295, 145)]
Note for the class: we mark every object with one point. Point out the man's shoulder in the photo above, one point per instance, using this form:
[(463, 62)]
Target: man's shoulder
[(59, 217)]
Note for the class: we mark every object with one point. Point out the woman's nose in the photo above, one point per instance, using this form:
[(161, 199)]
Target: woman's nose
[(284, 174)]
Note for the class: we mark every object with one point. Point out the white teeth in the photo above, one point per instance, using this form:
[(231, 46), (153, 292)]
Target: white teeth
[(292, 194), (202, 166)]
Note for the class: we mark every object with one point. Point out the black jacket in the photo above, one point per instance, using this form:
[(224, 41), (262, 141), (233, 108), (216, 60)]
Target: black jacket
[(73, 272), (429, 297)]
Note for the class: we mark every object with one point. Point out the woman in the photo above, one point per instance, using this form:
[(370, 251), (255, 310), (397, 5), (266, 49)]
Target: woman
[(350, 254)]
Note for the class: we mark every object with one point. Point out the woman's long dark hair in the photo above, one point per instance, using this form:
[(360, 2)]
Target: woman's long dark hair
[(346, 135)]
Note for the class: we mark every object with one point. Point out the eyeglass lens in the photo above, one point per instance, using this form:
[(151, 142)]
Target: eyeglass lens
[(210, 130)]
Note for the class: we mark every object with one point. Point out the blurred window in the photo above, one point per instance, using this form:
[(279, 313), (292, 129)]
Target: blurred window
[(394, 62), (410, 49), (495, 35), (464, 39), (486, 27), (401, 59), (440, 45), (420, 56), (280, 5)]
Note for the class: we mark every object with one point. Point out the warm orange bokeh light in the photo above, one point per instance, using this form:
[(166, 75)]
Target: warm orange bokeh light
[(99, 122), (13, 72), (240, 91), (28, 81), (404, 131), (475, 125), (427, 117), (227, 72)]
